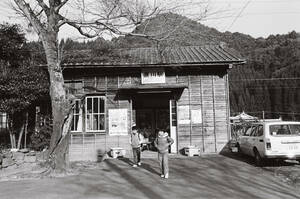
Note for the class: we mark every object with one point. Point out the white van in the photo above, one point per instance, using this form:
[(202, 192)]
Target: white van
[(271, 140)]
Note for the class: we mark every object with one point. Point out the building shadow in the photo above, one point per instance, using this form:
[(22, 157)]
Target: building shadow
[(126, 160), (145, 166), (149, 168), (146, 190)]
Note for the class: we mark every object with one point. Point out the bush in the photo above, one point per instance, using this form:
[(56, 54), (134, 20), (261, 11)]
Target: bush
[(41, 139)]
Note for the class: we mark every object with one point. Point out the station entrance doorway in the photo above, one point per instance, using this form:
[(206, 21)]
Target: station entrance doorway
[(153, 112)]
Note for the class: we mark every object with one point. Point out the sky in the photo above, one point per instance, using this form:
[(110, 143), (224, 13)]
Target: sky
[(258, 18)]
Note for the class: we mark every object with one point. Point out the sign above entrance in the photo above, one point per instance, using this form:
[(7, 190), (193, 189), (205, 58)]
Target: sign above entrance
[(153, 76)]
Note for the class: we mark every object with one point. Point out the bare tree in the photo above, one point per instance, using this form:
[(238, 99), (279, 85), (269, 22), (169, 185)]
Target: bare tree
[(91, 18)]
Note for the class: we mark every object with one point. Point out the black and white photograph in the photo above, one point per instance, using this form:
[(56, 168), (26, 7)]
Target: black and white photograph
[(149, 99)]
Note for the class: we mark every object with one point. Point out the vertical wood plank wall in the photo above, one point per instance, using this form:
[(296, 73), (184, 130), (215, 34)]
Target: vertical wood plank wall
[(207, 93)]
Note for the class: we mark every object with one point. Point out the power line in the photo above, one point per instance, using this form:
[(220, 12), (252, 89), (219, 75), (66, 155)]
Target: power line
[(234, 20)]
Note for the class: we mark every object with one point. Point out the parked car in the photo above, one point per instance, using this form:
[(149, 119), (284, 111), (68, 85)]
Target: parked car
[(271, 140)]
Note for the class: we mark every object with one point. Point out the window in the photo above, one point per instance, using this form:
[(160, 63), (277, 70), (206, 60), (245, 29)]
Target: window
[(248, 131), (254, 131), (3, 120), (95, 114), (260, 131), (285, 129), (77, 117)]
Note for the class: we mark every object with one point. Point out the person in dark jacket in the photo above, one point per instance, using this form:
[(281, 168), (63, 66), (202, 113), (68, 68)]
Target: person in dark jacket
[(162, 143), (135, 141)]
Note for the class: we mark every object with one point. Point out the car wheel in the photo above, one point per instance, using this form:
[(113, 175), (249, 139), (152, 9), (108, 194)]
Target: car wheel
[(257, 159)]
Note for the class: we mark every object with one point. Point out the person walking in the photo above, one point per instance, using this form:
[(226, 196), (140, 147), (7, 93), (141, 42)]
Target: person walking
[(135, 141), (162, 143)]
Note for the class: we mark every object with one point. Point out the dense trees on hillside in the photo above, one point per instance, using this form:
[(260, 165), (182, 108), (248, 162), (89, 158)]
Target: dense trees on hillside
[(270, 81)]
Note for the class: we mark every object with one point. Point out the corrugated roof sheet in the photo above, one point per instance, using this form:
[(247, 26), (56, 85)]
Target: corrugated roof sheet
[(170, 55)]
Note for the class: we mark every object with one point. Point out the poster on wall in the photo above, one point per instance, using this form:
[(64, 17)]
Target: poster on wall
[(196, 116), (183, 115), (117, 122)]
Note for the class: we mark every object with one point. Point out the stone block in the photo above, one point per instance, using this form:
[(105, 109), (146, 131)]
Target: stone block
[(18, 157), (41, 156), (7, 155), (30, 159), (7, 162)]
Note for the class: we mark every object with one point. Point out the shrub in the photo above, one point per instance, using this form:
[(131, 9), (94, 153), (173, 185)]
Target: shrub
[(41, 139)]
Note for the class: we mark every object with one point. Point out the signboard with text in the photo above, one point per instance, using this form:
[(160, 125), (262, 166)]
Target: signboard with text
[(153, 76), (117, 122)]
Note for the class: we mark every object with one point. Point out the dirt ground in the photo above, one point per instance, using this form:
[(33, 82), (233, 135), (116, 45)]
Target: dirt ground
[(217, 176)]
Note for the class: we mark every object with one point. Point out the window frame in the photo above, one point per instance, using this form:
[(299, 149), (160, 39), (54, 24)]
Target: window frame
[(77, 114), (93, 113)]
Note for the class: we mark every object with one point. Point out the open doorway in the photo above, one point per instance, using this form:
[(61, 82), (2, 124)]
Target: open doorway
[(152, 112)]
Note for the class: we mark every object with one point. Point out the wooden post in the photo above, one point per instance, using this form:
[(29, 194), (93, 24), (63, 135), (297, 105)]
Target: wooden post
[(227, 107), (214, 111), (202, 112), (190, 115)]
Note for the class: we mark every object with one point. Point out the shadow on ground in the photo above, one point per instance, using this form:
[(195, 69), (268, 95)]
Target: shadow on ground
[(191, 177), (250, 160)]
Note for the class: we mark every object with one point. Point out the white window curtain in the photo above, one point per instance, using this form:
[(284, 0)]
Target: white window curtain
[(77, 117)]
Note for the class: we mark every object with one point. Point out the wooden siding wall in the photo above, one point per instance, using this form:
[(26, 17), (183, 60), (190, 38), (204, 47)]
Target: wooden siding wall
[(89, 146), (207, 93)]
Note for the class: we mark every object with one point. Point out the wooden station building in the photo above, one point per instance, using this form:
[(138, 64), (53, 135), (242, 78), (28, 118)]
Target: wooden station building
[(183, 90)]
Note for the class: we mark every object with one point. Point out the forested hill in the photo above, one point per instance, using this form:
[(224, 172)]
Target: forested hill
[(270, 81)]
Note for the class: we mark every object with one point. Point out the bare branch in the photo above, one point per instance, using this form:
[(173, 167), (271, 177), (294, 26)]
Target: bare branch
[(59, 6), (44, 6), (30, 15)]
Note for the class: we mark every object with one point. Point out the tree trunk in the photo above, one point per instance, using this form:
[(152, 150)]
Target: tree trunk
[(11, 132), (26, 130), (20, 135), (61, 111), (61, 107)]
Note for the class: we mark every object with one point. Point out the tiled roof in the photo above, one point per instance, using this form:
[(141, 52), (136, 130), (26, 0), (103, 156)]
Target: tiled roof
[(170, 56), (182, 55)]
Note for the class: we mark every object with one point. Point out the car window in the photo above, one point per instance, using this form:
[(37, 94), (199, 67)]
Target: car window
[(260, 130), (254, 131), (248, 131), (284, 129), (295, 129)]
